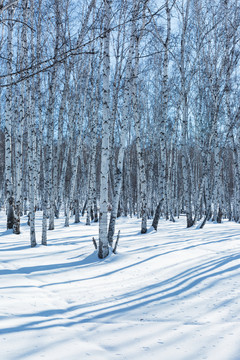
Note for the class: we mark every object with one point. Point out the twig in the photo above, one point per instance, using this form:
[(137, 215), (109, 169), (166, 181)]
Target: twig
[(116, 243), (94, 243)]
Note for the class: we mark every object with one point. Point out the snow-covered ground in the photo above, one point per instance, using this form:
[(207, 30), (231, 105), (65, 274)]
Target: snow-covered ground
[(174, 294)]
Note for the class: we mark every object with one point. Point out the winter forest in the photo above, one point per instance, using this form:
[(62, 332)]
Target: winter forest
[(119, 179), (127, 107)]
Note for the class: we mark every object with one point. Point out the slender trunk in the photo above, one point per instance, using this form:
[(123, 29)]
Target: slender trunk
[(50, 129), (124, 127), (139, 147), (8, 128), (103, 248), (32, 146), (77, 211), (163, 122)]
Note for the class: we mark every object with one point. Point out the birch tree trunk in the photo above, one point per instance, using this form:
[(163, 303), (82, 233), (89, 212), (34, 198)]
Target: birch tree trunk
[(50, 115), (57, 159), (23, 99), (39, 125), (94, 98), (139, 148), (163, 122), (70, 131), (184, 102), (75, 157), (103, 249), (32, 162), (48, 205), (124, 127), (79, 119), (8, 127)]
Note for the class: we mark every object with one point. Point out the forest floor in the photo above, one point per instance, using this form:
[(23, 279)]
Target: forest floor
[(171, 294)]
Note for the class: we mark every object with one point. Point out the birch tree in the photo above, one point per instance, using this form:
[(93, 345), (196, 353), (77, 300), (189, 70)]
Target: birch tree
[(164, 114), (8, 125), (103, 249), (124, 126), (137, 121)]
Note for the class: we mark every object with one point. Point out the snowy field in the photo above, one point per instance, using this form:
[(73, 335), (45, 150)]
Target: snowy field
[(170, 295)]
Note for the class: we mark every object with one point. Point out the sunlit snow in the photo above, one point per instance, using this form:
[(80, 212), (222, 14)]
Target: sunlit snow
[(171, 294)]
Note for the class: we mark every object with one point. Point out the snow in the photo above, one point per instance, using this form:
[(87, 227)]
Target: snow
[(171, 294)]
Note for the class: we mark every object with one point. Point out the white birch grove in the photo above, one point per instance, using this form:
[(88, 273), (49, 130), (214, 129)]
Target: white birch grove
[(119, 109)]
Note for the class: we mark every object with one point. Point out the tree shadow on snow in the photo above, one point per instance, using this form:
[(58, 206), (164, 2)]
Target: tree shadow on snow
[(183, 285)]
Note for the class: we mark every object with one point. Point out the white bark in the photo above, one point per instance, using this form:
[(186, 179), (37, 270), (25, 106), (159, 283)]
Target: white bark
[(163, 121), (19, 125), (50, 116), (124, 128), (32, 162), (70, 131), (8, 128), (103, 249), (48, 185), (77, 152), (184, 102), (39, 143), (57, 154), (140, 151)]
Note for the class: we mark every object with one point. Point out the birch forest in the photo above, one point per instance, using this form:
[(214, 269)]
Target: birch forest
[(116, 108)]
